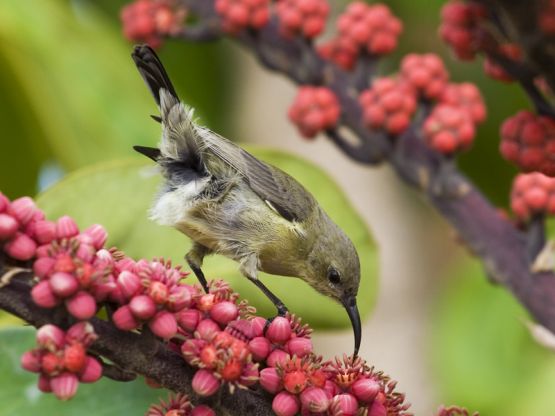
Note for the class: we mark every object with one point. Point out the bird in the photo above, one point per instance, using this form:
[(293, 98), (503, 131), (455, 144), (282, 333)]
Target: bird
[(230, 203)]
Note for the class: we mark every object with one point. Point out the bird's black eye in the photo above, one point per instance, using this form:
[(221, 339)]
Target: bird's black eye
[(334, 276)]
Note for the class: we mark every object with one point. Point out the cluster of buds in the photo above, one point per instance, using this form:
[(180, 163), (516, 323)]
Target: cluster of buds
[(315, 109), (18, 221), (150, 292), (460, 21), (451, 126), (509, 51), (150, 20), (363, 29), (371, 29), (72, 267), (237, 15), (425, 73), (304, 17), (215, 332), (389, 105), (179, 405), (528, 140), (532, 194), (61, 359)]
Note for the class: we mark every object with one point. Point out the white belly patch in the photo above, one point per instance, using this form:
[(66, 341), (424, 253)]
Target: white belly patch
[(171, 207)]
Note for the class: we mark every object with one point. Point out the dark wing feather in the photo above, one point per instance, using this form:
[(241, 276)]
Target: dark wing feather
[(289, 198)]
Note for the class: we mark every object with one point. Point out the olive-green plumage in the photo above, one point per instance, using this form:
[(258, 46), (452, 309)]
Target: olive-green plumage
[(230, 203)]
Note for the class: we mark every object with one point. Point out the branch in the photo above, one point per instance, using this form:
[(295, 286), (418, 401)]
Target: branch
[(133, 352), (495, 240)]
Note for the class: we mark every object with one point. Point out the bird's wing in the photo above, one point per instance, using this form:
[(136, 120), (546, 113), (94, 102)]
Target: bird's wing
[(279, 190)]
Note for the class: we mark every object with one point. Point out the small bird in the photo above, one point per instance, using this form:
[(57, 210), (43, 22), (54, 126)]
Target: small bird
[(229, 202)]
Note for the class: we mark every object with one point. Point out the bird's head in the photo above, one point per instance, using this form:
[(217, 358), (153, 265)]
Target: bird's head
[(334, 270)]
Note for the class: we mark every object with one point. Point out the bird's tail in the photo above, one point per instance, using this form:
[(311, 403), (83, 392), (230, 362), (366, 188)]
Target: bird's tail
[(180, 138)]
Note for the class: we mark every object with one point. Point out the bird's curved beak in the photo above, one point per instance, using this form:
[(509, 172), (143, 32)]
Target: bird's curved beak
[(350, 304)]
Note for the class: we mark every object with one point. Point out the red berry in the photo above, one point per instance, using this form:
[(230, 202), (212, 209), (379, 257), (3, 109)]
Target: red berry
[(304, 17), (237, 15), (315, 109), (532, 194), (448, 129), (426, 73)]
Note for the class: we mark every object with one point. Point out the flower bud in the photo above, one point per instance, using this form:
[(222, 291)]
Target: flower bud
[(158, 291), (66, 227), (179, 298), (124, 319), (207, 329), (43, 266), (8, 226), (299, 346), (295, 381), (98, 235), (277, 357), (365, 389), (314, 399), (270, 380), (81, 305), (250, 374), (63, 284), (205, 383), (51, 364), (285, 404), (23, 209), (74, 357), (260, 348), (163, 325), (21, 247), (45, 231), (129, 283), (64, 386), (279, 330), (4, 202), (258, 324), (188, 319), (377, 409), (91, 372), (346, 404), (82, 332), (50, 337), (43, 296), (30, 361), (142, 307), (224, 312), (86, 252)]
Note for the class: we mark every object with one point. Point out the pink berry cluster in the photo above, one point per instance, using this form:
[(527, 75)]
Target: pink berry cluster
[(532, 194), (152, 293), (61, 359), (72, 268), (451, 126), (528, 140), (460, 23), (389, 105), (314, 110), (215, 332), (179, 405), (425, 73), (304, 17), (371, 29), (150, 20), (362, 30), (18, 221), (335, 388), (237, 15)]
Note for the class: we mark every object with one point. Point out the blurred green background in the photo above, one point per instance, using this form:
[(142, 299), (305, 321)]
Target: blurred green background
[(71, 107)]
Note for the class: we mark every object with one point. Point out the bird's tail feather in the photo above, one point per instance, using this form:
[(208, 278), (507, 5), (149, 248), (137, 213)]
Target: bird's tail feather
[(180, 140)]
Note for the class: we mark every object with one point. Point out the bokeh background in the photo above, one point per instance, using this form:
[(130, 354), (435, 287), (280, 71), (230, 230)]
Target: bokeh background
[(71, 107)]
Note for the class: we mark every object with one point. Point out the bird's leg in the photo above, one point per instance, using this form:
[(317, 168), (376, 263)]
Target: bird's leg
[(249, 269), (194, 257)]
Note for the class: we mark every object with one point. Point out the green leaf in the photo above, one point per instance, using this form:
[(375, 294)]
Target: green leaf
[(484, 355), (19, 394), (119, 194)]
